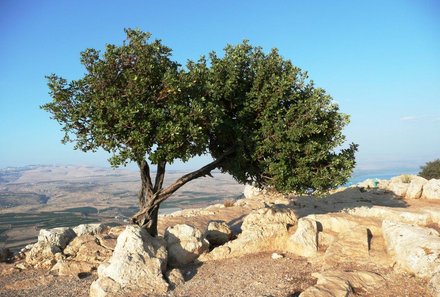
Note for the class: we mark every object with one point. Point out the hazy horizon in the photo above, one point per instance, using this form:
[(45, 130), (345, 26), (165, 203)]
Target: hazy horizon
[(378, 60)]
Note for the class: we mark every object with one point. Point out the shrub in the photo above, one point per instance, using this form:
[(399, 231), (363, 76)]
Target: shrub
[(406, 178), (229, 202), (431, 170)]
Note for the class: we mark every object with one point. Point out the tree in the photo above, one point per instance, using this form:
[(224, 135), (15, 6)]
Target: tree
[(256, 114), (431, 170)]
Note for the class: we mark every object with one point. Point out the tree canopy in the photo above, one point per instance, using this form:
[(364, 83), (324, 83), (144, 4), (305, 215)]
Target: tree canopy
[(259, 117), (431, 170)]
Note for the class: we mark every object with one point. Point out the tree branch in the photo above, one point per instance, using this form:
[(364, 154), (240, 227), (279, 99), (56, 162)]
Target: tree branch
[(205, 170)]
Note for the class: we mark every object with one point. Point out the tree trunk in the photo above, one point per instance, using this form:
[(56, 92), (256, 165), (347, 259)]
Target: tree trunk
[(150, 197), (148, 212)]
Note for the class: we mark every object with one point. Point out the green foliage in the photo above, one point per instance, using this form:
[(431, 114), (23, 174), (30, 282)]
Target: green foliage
[(431, 170), (134, 102)]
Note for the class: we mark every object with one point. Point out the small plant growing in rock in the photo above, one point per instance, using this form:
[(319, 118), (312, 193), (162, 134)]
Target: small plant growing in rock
[(229, 202), (406, 179), (431, 170)]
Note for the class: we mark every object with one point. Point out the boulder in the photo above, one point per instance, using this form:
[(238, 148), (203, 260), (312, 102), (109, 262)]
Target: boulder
[(305, 240), (431, 190), (268, 221), (415, 187), (86, 248), (399, 185), (184, 244), (250, 192), (263, 230), (136, 265), (89, 229), (434, 285), (414, 249), (58, 237), (73, 268), (342, 283), (218, 232)]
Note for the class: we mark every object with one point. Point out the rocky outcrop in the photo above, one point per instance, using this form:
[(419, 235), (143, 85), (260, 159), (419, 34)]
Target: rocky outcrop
[(265, 229), (89, 229), (414, 249), (434, 285), (184, 244), (415, 187), (431, 190), (399, 185), (343, 283), (305, 240), (137, 265), (250, 192), (218, 233), (49, 246)]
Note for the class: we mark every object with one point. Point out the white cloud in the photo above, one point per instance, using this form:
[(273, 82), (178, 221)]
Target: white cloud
[(408, 118)]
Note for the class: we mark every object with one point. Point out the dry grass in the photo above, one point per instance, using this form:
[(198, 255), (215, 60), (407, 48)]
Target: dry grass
[(229, 202)]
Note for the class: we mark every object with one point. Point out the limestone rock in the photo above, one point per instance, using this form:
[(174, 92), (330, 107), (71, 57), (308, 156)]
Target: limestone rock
[(42, 255), (87, 248), (218, 232), (342, 283), (264, 229), (58, 237), (431, 190), (434, 285), (73, 268), (305, 240), (415, 249), (277, 256), (175, 277), (268, 221), (89, 229), (184, 244), (415, 187), (399, 185), (250, 192), (351, 246), (137, 257)]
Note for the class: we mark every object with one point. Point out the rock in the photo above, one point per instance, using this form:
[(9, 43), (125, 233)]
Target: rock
[(87, 248), (250, 192), (399, 185), (175, 278), (89, 229), (263, 230), (42, 255), (343, 283), (415, 187), (305, 240), (73, 268), (137, 264), (268, 221), (5, 254), (218, 233), (431, 190), (423, 217), (184, 244), (58, 237), (434, 285), (276, 256), (414, 249), (349, 246)]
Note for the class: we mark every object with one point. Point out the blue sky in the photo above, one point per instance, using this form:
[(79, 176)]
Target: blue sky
[(380, 60)]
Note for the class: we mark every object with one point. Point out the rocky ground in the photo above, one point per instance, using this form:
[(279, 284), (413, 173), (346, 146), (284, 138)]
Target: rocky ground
[(359, 241)]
